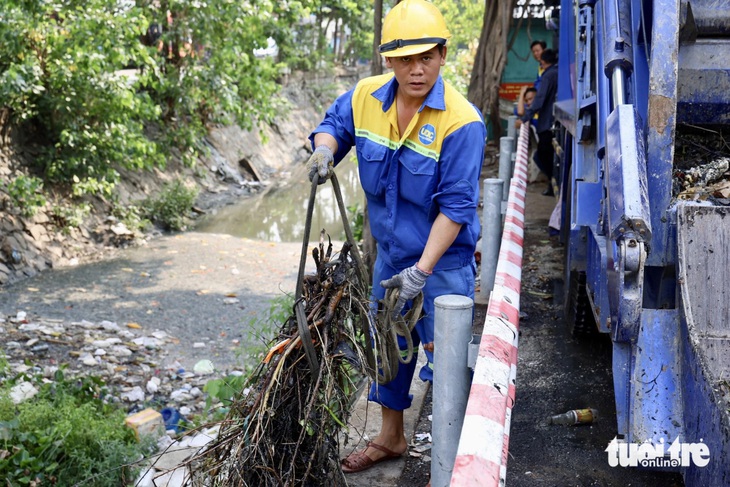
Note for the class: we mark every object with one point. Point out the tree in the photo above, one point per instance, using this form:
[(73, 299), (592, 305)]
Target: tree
[(490, 60), (376, 67), (60, 78), (369, 246)]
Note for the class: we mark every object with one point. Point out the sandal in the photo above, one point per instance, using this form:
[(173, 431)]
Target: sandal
[(359, 461)]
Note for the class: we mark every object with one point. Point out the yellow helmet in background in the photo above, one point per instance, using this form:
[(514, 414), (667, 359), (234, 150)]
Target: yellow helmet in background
[(412, 27)]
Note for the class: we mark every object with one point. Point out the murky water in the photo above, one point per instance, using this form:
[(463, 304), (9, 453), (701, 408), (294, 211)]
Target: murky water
[(279, 214)]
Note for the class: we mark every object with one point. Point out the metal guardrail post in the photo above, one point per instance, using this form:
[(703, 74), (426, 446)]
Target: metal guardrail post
[(511, 129), (491, 234), (451, 381), (505, 163)]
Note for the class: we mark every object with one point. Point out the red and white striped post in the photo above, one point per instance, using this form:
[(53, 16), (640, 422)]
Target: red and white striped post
[(481, 459)]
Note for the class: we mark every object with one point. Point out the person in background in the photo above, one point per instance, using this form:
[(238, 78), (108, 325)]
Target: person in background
[(543, 106), (537, 47), (179, 41), (524, 100), (420, 149)]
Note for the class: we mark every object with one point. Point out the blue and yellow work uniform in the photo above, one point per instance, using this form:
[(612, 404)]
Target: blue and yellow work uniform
[(408, 179), (538, 80)]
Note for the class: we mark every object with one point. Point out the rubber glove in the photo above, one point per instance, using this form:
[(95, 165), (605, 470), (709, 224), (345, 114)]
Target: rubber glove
[(321, 162), (409, 282)]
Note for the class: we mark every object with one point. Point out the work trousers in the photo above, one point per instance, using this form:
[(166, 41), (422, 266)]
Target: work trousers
[(545, 153), (395, 394)]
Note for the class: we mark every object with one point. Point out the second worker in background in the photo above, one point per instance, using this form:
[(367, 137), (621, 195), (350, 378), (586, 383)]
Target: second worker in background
[(543, 106)]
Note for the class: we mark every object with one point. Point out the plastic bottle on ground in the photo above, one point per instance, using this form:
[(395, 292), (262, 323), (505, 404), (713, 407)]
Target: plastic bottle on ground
[(575, 416)]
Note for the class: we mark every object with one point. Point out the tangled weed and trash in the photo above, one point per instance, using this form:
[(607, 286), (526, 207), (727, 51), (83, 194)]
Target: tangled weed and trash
[(702, 164), (283, 428)]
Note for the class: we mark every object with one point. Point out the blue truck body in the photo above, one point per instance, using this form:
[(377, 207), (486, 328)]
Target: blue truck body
[(645, 263)]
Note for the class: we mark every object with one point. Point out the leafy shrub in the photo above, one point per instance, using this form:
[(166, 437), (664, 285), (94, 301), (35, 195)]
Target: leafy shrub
[(61, 79), (25, 193), (70, 215), (65, 436), (170, 209), (132, 217), (59, 75)]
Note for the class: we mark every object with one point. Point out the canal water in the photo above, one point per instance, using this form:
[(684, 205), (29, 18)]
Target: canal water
[(279, 214)]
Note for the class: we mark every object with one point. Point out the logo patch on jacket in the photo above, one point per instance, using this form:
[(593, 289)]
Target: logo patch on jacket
[(427, 134)]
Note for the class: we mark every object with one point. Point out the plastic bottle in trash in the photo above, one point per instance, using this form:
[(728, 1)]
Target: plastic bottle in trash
[(575, 416)]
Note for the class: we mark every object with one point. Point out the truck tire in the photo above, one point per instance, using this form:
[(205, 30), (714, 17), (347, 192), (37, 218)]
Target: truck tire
[(578, 313), (576, 305)]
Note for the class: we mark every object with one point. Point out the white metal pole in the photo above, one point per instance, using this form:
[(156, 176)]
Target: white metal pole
[(453, 315), (491, 234), (505, 163)]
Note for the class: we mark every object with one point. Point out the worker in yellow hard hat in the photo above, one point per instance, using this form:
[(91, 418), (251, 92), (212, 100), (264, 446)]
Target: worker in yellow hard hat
[(420, 147)]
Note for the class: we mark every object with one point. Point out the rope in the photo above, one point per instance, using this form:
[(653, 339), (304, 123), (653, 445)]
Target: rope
[(387, 331)]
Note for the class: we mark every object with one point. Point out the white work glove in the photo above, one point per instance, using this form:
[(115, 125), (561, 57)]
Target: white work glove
[(321, 162), (409, 282)]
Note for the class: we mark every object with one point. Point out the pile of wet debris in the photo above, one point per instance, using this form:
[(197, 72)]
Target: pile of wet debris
[(702, 164), (128, 359)]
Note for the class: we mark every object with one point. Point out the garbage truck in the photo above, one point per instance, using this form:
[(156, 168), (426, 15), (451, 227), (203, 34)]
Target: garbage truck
[(642, 139)]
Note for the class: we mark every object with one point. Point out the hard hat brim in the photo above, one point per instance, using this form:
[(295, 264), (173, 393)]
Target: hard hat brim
[(409, 47), (409, 50)]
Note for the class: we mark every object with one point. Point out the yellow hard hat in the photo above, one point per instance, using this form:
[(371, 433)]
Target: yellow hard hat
[(412, 27)]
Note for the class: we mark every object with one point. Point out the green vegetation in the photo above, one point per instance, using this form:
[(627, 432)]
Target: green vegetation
[(70, 216), (25, 193), (103, 85), (464, 19), (171, 207), (132, 216), (65, 435)]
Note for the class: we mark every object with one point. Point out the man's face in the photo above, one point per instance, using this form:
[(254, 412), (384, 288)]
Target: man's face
[(529, 96), (537, 52), (417, 74)]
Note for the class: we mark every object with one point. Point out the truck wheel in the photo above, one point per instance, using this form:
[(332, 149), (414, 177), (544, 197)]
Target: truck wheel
[(578, 313)]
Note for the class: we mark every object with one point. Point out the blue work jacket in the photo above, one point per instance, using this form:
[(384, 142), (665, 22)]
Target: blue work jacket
[(410, 178), (544, 100)]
